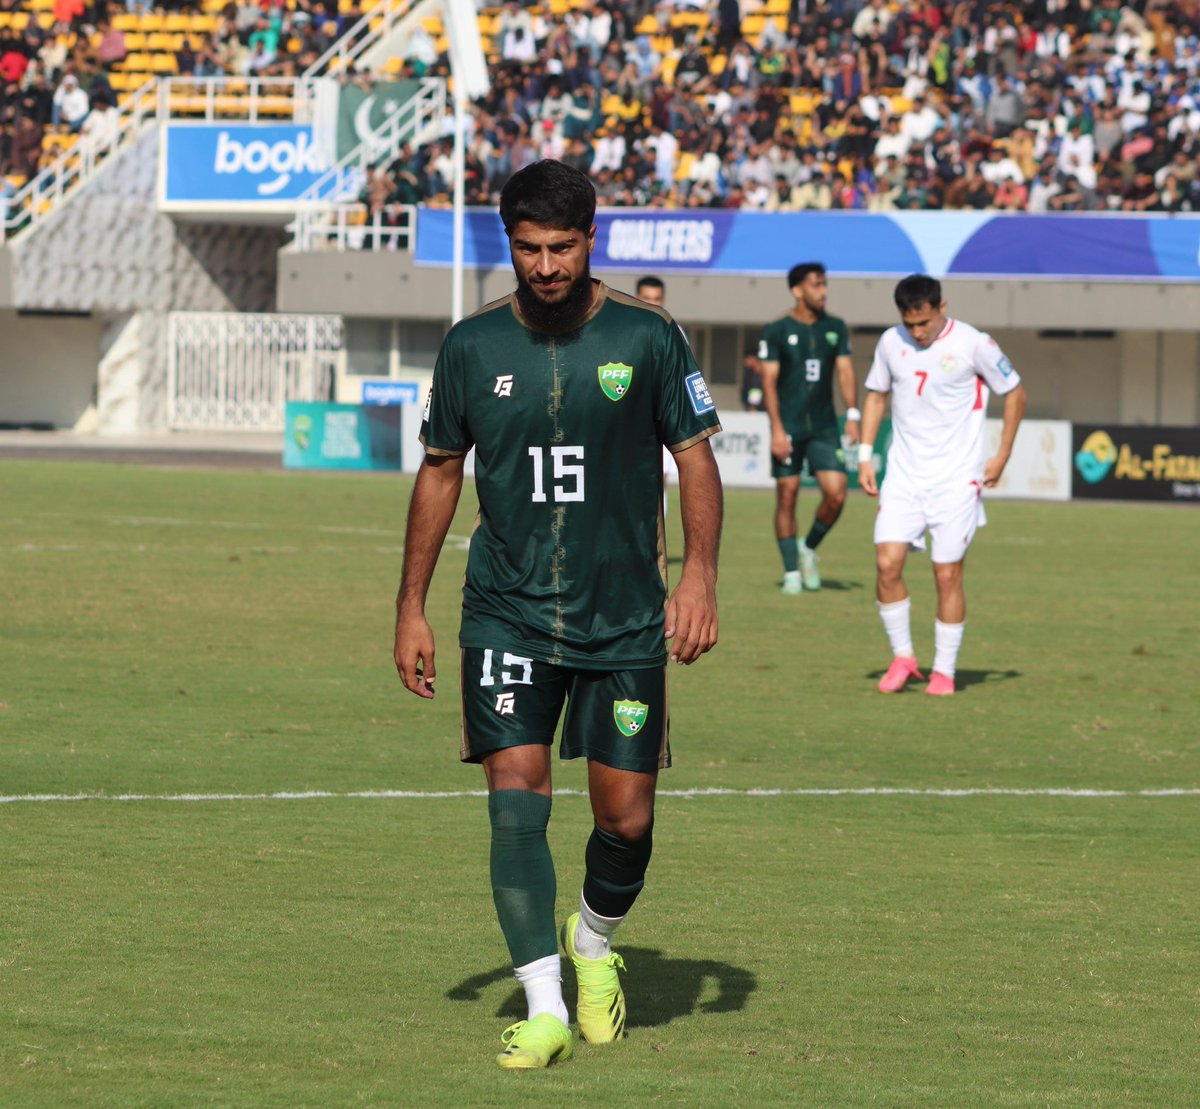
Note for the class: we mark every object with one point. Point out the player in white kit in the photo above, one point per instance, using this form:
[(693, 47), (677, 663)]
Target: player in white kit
[(939, 372)]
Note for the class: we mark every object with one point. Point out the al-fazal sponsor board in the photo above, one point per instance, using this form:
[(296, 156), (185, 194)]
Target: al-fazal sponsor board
[(1136, 463)]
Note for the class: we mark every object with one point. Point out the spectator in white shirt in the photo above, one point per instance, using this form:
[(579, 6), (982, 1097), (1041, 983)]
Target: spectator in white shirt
[(70, 105)]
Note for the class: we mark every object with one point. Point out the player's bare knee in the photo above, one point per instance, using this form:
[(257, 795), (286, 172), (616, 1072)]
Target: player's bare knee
[(628, 826), (888, 568), (948, 575)]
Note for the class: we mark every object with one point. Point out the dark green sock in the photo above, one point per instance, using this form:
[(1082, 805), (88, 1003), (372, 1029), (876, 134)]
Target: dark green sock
[(789, 549), (616, 871), (816, 533), (523, 873)]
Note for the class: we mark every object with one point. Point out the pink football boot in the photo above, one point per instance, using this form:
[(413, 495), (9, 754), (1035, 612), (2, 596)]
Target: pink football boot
[(940, 685), (898, 673)]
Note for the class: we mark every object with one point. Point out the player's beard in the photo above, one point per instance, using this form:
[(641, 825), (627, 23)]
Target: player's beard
[(562, 315)]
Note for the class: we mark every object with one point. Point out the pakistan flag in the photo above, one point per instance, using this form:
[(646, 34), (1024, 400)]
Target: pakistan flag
[(363, 112)]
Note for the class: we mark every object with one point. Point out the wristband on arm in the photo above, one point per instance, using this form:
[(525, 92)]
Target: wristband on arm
[(853, 415), (866, 453)]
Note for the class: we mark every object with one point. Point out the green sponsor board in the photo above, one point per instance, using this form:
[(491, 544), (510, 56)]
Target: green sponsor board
[(342, 437), (363, 111)]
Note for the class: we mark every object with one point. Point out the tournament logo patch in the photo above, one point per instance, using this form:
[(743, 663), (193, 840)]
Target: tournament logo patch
[(614, 379), (630, 716), (698, 393)]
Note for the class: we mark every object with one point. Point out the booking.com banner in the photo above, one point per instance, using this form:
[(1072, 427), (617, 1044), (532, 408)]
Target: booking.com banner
[(965, 244), (249, 167)]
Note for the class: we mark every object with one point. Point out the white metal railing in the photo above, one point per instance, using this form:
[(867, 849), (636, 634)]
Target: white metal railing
[(347, 227), (378, 22), (237, 371), (418, 118), (76, 165), (243, 99)]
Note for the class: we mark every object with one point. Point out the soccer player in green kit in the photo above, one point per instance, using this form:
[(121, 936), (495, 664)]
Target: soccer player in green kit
[(568, 391), (801, 353)]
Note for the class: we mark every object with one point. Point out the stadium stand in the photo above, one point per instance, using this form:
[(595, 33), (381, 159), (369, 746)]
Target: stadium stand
[(771, 104)]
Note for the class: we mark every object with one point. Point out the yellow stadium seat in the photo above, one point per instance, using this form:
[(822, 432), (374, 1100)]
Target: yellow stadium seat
[(5, 20), (202, 23), (648, 26), (16, 180), (717, 64), (683, 170), (125, 21), (160, 41), (178, 22), (134, 41), (900, 104), (164, 63), (136, 63), (433, 25)]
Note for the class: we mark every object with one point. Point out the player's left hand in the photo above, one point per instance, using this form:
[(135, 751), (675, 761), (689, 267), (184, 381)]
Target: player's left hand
[(691, 618), (852, 432), (993, 469)]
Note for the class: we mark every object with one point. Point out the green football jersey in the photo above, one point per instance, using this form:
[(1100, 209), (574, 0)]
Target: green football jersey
[(807, 355), (567, 564)]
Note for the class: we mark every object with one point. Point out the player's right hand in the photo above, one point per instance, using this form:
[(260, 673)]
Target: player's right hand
[(866, 479), (781, 445), (413, 655)]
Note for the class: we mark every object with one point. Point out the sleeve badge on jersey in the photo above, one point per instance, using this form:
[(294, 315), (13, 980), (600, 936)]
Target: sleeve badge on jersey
[(699, 395), (614, 379), (428, 404), (1005, 366)]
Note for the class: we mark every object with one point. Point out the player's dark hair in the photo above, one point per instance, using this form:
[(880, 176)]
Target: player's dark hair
[(798, 273), (650, 283), (549, 194), (916, 290)]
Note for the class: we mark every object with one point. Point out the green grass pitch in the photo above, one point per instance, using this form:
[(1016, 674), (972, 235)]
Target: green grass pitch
[(170, 632)]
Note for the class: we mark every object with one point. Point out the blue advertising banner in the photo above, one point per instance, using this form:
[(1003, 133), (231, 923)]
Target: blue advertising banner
[(946, 244), (391, 392), (342, 437), (238, 164)]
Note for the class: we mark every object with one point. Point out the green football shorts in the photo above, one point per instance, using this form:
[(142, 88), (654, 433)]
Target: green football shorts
[(617, 717), (822, 451)]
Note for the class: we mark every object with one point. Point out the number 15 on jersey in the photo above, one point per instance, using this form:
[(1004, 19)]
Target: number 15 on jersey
[(566, 465)]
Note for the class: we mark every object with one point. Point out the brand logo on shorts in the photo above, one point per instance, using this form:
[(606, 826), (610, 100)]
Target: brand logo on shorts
[(614, 379), (505, 703), (630, 716), (503, 385)]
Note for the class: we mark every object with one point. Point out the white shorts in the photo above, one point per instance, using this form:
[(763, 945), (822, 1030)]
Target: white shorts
[(950, 513)]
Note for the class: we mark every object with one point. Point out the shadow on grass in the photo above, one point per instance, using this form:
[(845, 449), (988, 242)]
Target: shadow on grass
[(962, 678), (657, 989)]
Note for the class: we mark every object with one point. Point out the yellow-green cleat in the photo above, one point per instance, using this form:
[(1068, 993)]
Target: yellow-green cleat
[(535, 1043), (601, 1008)]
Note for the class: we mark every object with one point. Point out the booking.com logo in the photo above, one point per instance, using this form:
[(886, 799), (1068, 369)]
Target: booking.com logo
[(256, 158), (1096, 457)]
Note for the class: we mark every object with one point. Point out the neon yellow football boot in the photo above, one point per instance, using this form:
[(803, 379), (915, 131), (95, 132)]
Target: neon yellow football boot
[(530, 1044), (601, 1008)]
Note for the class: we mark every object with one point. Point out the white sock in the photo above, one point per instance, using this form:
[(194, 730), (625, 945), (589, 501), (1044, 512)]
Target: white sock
[(895, 623), (594, 933), (947, 638), (542, 980)]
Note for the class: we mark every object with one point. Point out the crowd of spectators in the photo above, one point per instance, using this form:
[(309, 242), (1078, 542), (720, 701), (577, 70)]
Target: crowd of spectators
[(60, 79), (1054, 105), (1036, 105)]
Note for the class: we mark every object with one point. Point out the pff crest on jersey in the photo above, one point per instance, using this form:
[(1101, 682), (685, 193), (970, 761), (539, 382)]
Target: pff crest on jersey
[(630, 716), (614, 379)]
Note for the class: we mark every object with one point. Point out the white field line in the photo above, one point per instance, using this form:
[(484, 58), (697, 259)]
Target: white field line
[(685, 794)]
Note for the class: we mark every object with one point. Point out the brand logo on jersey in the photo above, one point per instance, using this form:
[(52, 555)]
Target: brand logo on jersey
[(630, 716), (1096, 457), (428, 404), (614, 379), (698, 393), (831, 337), (505, 703), (947, 364), (503, 385), (793, 340)]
